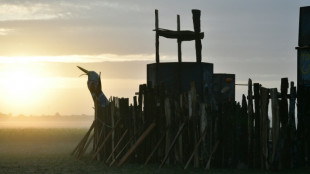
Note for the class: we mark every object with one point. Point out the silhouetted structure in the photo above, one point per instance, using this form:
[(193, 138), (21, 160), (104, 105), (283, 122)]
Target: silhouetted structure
[(186, 114)]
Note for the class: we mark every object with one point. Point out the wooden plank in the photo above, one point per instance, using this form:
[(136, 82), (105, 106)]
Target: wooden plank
[(198, 46), (196, 147), (83, 139), (104, 141), (182, 35), (168, 125), (257, 143), (283, 113), (120, 152), (275, 121), (250, 123), (85, 148), (293, 96), (264, 127), (179, 40), (154, 150), (142, 137), (156, 37), (118, 143), (211, 156), (172, 145)]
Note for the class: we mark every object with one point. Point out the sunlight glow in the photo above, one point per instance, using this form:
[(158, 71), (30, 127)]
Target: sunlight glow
[(22, 86)]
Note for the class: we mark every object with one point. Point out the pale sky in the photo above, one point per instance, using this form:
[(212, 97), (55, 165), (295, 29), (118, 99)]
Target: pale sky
[(42, 41)]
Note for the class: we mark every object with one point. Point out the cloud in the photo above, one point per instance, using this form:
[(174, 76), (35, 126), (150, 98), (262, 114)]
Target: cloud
[(30, 11), (5, 31), (81, 58)]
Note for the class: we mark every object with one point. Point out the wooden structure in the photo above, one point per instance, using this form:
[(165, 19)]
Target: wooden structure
[(187, 115), (303, 83)]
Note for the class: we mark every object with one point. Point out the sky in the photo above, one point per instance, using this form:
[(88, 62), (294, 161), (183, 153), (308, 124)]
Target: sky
[(42, 42)]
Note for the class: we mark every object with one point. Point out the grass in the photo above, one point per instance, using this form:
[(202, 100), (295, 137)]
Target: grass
[(38, 150)]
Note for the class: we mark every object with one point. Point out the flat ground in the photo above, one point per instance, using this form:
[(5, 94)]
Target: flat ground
[(48, 151)]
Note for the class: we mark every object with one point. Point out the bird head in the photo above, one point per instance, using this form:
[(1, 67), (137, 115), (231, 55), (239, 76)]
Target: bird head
[(93, 82)]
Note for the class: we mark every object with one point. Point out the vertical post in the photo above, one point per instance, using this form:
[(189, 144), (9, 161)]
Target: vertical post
[(179, 40), (157, 36), (257, 126), (196, 20), (250, 124), (283, 112)]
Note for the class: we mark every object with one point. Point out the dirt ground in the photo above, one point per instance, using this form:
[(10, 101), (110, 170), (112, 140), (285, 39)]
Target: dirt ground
[(48, 151)]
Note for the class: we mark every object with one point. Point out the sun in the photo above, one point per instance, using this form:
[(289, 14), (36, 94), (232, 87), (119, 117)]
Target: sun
[(22, 86)]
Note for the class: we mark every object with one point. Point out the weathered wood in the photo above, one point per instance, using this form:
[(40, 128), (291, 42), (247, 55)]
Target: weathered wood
[(182, 35), (250, 123), (283, 113), (196, 147), (142, 137), (179, 40), (198, 46), (264, 127), (116, 146), (208, 165), (154, 149), (168, 125), (257, 144), (83, 139), (104, 141), (172, 145), (85, 148), (275, 121), (293, 96), (157, 37), (113, 104), (120, 152)]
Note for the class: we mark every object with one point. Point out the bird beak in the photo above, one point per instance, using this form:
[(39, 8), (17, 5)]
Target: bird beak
[(84, 70)]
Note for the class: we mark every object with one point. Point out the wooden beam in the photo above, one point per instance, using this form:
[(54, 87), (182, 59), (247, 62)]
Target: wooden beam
[(196, 147), (120, 152), (156, 37), (172, 145), (139, 141), (83, 139), (154, 150), (196, 21), (182, 35), (211, 156), (118, 143), (104, 141), (85, 148), (250, 123), (179, 40)]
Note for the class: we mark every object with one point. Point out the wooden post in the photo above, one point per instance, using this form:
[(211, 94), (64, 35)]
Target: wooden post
[(104, 141), (196, 21), (154, 150), (179, 40), (118, 143), (211, 156), (157, 37), (85, 148), (113, 104), (264, 127), (83, 139), (257, 143), (172, 144), (275, 121), (120, 152), (142, 137), (196, 147), (168, 125), (250, 123), (285, 158)]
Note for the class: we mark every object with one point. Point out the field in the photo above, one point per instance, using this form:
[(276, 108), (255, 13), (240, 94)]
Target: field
[(39, 150)]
